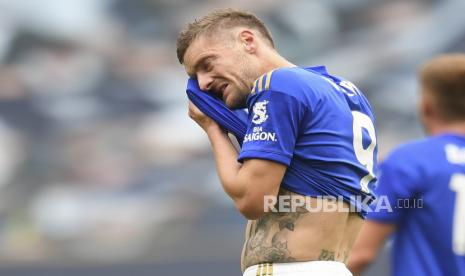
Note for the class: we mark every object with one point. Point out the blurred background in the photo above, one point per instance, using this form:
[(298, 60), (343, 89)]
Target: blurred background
[(102, 172)]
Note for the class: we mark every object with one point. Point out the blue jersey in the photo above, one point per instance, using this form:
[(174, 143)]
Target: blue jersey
[(319, 126), (430, 237)]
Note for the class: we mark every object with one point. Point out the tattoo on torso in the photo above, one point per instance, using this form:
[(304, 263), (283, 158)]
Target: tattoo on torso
[(326, 255), (267, 242)]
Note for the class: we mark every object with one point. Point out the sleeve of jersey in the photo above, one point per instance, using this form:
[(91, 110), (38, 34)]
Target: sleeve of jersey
[(396, 184), (272, 127)]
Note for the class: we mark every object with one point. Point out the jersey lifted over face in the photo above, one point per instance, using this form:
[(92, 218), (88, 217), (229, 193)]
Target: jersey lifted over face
[(320, 126)]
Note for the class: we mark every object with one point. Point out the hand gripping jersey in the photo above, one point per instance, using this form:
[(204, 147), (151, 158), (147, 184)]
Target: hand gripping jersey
[(424, 182), (235, 121), (320, 126)]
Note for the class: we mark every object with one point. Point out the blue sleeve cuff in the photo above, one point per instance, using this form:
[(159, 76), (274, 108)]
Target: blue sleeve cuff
[(258, 154)]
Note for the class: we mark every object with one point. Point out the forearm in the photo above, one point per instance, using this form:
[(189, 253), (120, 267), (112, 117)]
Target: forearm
[(226, 163), (370, 240), (236, 178)]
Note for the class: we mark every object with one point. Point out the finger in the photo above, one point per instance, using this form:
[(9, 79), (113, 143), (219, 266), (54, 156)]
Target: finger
[(195, 110), (190, 109), (192, 106)]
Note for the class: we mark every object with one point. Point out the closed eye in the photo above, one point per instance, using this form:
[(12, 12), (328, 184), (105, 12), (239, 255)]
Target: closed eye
[(203, 64), (207, 65)]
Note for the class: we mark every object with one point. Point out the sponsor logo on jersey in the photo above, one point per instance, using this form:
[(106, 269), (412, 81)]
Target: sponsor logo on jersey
[(259, 112), (259, 135)]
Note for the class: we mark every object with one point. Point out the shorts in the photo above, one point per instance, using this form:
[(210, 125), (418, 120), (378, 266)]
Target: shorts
[(311, 268)]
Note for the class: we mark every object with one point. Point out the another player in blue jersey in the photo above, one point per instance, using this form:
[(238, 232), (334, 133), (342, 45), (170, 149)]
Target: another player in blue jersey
[(424, 181), (310, 142)]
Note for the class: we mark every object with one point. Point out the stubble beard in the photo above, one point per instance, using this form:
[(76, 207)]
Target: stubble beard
[(248, 76)]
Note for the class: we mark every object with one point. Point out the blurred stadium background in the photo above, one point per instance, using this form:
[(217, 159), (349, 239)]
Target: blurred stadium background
[(101, 171)]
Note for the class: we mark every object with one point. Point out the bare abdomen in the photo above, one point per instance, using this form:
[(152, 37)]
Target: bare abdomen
[(300, 236)]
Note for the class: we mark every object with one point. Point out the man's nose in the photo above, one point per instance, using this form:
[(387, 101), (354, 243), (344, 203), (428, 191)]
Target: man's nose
[(205, 81)]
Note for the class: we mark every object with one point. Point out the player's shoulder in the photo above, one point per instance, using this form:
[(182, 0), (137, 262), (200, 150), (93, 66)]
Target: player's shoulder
[(284, 80), (413, 151)]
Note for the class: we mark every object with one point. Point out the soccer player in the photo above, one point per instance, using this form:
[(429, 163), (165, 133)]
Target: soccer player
[(424, 181), (310, 134)]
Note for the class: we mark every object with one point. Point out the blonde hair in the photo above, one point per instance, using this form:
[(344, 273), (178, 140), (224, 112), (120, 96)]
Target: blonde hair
[(444, 78), (219, 19)]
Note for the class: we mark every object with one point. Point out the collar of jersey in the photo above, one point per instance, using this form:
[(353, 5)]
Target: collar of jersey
[(321, 69)]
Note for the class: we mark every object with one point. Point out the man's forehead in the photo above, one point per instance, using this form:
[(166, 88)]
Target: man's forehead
[(210, 42), (199, 48)]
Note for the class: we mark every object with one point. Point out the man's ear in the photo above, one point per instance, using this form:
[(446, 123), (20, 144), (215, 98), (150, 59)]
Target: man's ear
[(248, 40)]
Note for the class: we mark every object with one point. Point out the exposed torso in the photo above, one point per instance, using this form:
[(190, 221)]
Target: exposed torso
[(300, 236)]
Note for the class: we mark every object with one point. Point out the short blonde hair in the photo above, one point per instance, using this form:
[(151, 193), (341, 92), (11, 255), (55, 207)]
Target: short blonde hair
[(444, 78), (223, 18)]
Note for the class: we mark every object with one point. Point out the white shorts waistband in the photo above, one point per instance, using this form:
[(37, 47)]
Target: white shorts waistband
[(316, 268)]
